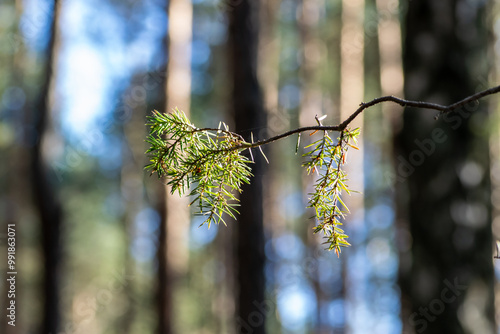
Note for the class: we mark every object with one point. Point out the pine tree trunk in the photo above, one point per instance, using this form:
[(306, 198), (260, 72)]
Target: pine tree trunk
[(444, 167), (249, 116), (45, 195)]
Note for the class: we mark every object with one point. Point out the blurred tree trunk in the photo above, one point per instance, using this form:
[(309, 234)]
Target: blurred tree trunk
[(13, 186), (164, 289), (389, 40), (164, 297), (132, 186), (173, 253), (277, 121), (352, 87), (249, 116), (448, 276), (312, 104), (45, 195)]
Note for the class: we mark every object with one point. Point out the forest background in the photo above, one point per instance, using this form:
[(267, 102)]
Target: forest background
[(102, 247)]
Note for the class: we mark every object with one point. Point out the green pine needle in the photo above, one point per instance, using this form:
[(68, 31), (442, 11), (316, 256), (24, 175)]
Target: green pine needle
[(208, 165)]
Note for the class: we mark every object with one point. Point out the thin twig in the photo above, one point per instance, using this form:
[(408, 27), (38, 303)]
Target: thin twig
[(363, 106)]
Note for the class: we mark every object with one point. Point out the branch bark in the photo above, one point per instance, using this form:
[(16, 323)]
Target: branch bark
[(362, 107)]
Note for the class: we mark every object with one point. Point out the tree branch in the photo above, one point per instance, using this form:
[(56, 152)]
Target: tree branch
[(213, 163), (363, 106)]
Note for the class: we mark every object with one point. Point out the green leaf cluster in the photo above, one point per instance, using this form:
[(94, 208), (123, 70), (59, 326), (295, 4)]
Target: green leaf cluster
[(206, 162), (326, 158)]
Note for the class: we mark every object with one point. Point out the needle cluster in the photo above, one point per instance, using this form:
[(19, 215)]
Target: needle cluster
[(208, 164), (326, 158)]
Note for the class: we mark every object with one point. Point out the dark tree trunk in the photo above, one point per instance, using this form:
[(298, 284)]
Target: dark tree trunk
[(45, 195), (164, 292), (249, 117), (443, 167), (164, 296)]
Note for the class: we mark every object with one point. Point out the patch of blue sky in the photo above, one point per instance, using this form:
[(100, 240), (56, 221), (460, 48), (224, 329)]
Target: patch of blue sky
[(147, 221), (366, 322), (385, 324), (380, 216), (387, 298), (146, 225), (143, 249), (387, 268), (292, 205), (329, 272), (356, 228), (200, 236), (370, 302), (382, 258), (297, 307), (360, 317), (270, 251), (84, 77), (388, 324), (110, 158), (357, 269), (334, 313), (288, 247), (34, 23), (84, 80), (289, 274), (200, 54), (91, 70), (139, 53), (156, 21)]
